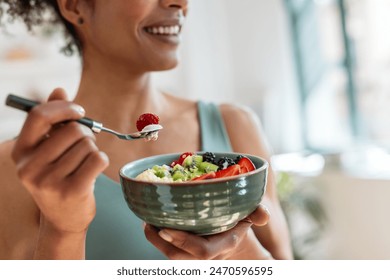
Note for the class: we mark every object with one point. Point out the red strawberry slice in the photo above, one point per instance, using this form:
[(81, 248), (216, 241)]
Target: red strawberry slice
[(146, 119), (183, 157), (209, 175), (243, 170), (246, 165), (230, 171)]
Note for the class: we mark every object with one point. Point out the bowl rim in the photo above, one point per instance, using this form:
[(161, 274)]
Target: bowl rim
[(187, 183)]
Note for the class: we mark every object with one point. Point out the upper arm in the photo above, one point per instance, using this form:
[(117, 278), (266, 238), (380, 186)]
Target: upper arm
[(247, 136), (19, 216)]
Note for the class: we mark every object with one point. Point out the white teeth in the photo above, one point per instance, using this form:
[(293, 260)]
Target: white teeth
[(164, 30)]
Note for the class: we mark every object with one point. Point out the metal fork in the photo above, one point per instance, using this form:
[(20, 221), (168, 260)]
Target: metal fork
[(149, 132)]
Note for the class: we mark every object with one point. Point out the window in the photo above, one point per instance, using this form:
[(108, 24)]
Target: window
[(342, 58)]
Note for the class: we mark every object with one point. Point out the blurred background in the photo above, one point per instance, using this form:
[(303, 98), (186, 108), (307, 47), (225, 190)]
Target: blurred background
[(317, 74)]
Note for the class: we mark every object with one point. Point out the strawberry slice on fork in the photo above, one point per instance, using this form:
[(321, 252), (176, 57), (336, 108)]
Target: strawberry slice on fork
[(146, 119)]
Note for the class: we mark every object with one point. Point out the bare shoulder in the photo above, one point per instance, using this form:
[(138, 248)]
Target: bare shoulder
[(7, 167), (19, 215), (245, 130), (5, 155), (180, 103)]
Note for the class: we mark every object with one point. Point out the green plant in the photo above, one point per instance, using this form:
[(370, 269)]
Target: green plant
[(304, 212)]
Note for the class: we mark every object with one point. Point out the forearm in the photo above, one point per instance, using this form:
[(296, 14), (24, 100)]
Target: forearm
[(55, 245)]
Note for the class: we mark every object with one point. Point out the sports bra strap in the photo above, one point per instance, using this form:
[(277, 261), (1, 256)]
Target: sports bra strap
[(214, 137)]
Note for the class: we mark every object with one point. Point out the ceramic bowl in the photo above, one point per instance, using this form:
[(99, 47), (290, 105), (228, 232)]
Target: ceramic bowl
[(201, 207)]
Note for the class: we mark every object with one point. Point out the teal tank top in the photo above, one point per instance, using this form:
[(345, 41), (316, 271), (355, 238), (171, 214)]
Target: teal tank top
[(116, 233)]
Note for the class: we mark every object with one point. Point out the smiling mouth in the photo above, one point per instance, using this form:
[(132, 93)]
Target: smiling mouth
[(172, 30)]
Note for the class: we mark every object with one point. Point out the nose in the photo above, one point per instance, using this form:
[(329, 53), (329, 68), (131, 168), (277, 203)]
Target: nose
[(178, 4)]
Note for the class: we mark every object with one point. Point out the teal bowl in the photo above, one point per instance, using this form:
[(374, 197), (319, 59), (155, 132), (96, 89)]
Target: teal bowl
[(201, 207)]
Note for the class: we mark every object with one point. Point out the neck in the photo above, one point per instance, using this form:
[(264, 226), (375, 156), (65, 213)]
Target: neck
[(117, 98)]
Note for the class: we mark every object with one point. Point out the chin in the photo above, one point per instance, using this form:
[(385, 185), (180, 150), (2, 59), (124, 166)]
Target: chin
[(166, 65), (170, 67)]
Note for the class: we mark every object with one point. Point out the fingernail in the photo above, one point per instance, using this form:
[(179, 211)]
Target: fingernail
[(104, 156), (265, 208), (166, 236), (78, 109), (143, 225)]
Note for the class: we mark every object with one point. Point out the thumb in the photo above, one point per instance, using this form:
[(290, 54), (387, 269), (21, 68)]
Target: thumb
[(58, 94), (260, 216)]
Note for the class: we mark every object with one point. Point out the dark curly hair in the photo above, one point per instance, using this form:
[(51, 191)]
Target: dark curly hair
[(39, 12)]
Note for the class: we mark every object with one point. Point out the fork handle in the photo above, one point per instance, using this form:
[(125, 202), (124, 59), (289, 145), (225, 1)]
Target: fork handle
[(26, 105), (20, 103)]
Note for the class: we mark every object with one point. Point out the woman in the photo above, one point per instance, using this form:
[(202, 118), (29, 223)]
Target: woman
[(59, 188)]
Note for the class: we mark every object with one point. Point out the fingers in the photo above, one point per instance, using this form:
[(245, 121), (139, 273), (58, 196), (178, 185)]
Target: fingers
[(48, 161), (177, 244), (41, 120), (59, 170), (260, 216), (169, 250), (62, 139), (58, 94), (189, 244), (72, 159), (90, 168), (210, 247)]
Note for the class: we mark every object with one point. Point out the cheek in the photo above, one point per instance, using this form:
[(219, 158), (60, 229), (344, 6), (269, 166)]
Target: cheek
[(137, 9), (108, 29), (120, 17)]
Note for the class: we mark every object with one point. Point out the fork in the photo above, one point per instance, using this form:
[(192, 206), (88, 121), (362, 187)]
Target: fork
[(149, 132)]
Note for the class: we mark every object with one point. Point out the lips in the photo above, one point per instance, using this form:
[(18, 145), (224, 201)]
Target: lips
[(166, 30)]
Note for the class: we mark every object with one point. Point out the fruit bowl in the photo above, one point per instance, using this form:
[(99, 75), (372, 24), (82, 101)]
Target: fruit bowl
[(202, 207)]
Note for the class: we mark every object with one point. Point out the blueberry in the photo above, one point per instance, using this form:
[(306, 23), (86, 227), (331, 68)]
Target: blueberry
[(225, 162), (209, 157)]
